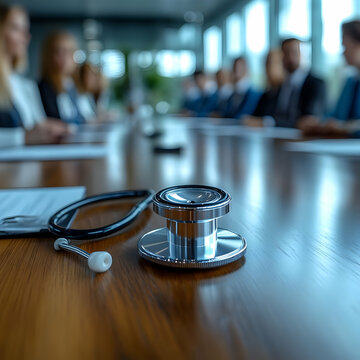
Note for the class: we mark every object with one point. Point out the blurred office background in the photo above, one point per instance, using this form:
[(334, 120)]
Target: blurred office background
[(146, 48)]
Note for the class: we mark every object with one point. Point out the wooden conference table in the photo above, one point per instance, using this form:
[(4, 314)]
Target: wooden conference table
[(295, 295)]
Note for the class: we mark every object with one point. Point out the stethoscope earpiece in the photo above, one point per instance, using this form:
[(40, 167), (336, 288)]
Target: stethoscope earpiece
[(98, 261)]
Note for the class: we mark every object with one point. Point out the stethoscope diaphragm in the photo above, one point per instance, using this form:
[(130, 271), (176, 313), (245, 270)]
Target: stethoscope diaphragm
[(191, 238)]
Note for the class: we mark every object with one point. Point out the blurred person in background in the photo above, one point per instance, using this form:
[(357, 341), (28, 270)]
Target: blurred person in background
[(224, 90), (245, 98), (203, 96), (92, 87), (193, 93), (192, 96), (57, 88), (22, 117), (209, 96), (301, 93), (345, 118), (275, 76)]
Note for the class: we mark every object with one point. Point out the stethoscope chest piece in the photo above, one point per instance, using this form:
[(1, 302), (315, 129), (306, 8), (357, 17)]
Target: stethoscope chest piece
[(191, 238)]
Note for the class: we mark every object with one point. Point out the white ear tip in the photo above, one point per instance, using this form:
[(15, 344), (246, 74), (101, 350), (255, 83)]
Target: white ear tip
[(99, 261), (60, 241)]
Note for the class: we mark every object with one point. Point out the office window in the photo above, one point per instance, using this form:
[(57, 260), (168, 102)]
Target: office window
[(113, 63), (212, 49), (256, 24), (175, 63), (257, 43), (233, 35), (187, 62), (295, 19), (333, 14)]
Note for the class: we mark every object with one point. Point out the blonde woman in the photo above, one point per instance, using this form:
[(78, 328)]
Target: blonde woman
[(93, 89), (59, 95), (92, 82), (22, 117)]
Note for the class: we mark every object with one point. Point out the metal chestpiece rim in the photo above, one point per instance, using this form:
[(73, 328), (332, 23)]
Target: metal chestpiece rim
[(191, 203), (191, 238)]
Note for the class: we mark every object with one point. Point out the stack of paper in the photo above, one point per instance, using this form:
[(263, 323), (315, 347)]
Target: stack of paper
[(29, 210), (53, 152), (349, 147)]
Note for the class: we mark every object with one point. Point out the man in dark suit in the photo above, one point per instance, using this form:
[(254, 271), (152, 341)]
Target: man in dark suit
[(301, 93)]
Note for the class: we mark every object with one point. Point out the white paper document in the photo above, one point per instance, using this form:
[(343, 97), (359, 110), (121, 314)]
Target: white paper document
[(88, 137), (346, 147), (25, 211), (52, 152), (240, 130)]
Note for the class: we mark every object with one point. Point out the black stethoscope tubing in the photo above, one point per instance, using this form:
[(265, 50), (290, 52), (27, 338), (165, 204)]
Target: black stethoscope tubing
[(104, 231)]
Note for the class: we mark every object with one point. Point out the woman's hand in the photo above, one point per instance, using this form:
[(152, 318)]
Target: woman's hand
[(51, 131)]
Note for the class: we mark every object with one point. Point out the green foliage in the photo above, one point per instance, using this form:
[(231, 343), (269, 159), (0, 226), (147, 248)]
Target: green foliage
[(157, 88), (121, 87), (160, 88)]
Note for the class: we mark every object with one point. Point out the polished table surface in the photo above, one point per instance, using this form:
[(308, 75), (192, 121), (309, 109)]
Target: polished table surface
[(295, 295)]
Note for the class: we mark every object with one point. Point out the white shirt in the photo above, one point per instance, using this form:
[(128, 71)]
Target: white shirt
[(298, 77), (86, 108), (293, 83), (192, 93), (242, 86), (25, 97), (210, 88), (67, 109), (225, 91)]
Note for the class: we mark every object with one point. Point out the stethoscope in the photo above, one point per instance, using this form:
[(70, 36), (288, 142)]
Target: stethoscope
[(99, 261), (191, 238)]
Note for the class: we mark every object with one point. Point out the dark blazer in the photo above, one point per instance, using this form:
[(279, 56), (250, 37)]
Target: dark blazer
[(222, 106), (267, 103), (236, 108), (192, 104), (10, 118), (311, 101), (208, 104), (49, 99)]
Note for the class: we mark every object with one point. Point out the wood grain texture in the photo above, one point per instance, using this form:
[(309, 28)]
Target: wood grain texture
[(295, 295)]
